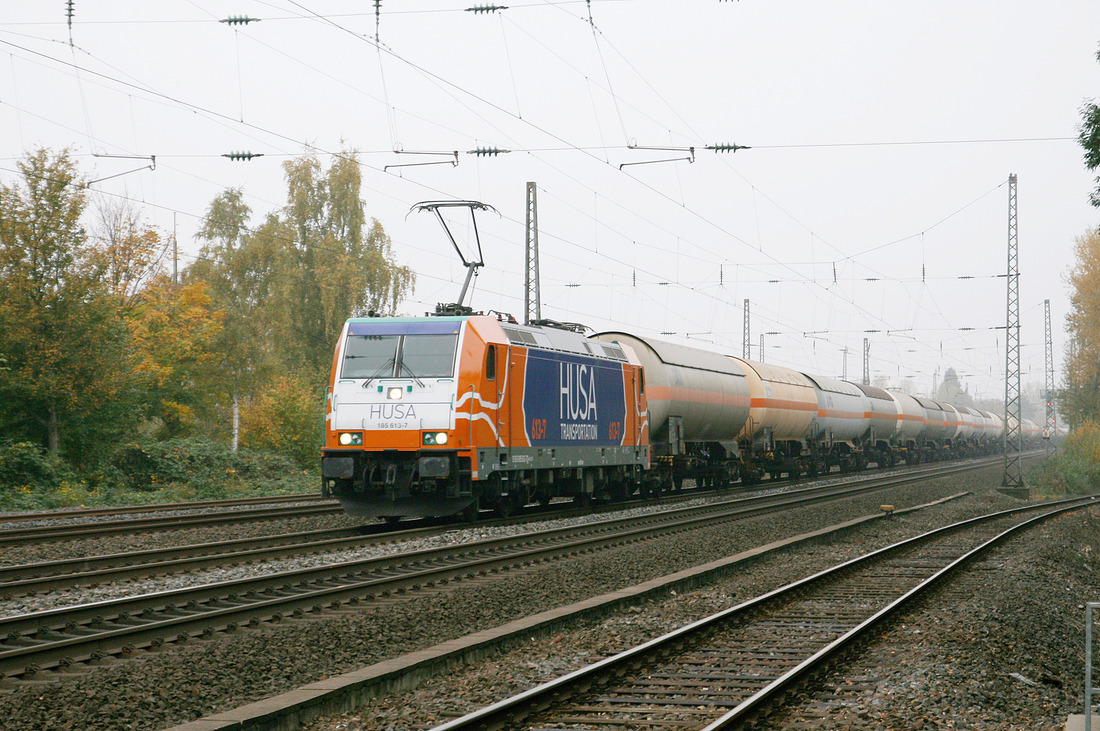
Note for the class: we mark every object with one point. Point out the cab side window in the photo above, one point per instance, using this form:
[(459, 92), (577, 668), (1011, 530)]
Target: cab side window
[(491, 364)]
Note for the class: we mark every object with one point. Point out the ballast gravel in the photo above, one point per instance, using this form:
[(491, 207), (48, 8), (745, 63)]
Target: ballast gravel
[(954, 665)]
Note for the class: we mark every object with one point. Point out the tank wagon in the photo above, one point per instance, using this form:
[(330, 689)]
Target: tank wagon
[(450, 415)]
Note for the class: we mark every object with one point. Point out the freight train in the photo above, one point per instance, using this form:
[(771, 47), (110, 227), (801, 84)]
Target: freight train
[(445, 415)]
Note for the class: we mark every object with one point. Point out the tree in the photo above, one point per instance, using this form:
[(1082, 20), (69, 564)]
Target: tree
[(239, 268), (128, 253), (1088, 134), (60, 330), (174, 332), (285, 288), (1080, 400), (337, 265)]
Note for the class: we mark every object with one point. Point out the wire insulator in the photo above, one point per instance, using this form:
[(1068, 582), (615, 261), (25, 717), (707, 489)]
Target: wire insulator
[(487, 151), (728, 147), (246, 156)]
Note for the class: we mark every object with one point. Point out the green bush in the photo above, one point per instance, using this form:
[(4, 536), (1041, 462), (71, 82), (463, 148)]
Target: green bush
[(1075, 468), (201, 464), (26, 466), (286, 418)]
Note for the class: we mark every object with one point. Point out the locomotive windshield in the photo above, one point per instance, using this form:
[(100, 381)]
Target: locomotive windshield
[(390, 356)]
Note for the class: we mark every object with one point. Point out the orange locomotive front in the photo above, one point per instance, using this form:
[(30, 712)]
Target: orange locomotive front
[(442, 415)]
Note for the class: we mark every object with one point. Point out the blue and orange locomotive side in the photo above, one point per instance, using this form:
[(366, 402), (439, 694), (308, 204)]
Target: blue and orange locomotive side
[(442, 415)]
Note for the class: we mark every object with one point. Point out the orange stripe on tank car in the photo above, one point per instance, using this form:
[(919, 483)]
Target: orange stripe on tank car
[(789, 405), (666, 393), (831, 414), (880, 416)]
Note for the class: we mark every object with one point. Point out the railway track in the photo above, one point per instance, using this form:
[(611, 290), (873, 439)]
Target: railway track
[(730, 669), (45, 576), (93, 529), (84, 513), (32, 645)]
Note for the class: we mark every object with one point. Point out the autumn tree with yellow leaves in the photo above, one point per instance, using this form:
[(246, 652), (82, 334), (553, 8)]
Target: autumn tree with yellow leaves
[(96, 343), (60, 334), (1080, 400), (99, 347)]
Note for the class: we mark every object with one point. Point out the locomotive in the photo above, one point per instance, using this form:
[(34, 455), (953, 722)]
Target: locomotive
[(445, 415)]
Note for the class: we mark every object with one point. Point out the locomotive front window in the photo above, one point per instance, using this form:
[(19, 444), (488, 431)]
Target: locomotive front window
[(370, 356), (388, 356), (428, 356)]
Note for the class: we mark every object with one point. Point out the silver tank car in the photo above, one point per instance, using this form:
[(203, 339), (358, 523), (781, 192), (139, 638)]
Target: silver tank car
[(694, 395), (843, 411)]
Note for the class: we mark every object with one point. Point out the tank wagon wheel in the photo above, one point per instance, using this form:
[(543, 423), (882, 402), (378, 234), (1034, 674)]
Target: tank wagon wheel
[(471, 512), (508, 505)]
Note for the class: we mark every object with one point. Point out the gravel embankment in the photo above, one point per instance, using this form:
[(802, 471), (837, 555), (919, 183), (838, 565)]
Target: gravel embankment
[(152, 691)]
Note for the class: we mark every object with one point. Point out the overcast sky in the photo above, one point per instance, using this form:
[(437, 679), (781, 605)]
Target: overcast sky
[(873, 202)]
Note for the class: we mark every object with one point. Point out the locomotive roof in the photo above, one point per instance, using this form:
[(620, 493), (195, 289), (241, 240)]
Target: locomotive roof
[(565, 341)]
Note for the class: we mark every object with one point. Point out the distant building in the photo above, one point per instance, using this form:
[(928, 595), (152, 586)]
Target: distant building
[(952, 391)]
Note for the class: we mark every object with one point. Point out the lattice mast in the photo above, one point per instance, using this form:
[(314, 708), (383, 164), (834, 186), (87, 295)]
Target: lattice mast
[(1013, 438), (1052, 421), (532, 303), (745, 340), (866, 362)]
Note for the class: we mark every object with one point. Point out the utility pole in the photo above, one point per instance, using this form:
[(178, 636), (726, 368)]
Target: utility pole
[(1013, 479), (175, 253), (844, 373), (1051, 425), (761, 347), (745, 335), (866, 361), (532, 305)]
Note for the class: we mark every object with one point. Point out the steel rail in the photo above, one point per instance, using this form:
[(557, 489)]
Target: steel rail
[(94, 529), (74, 634), (156, 507), (515, 711), (45, 576)]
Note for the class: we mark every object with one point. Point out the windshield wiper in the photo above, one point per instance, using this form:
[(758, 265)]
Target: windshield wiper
[(377, 373), (404, 367)]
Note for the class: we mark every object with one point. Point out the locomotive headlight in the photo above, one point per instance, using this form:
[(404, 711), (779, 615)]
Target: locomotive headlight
[(350, 439), (437, 438), (395, 393)]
